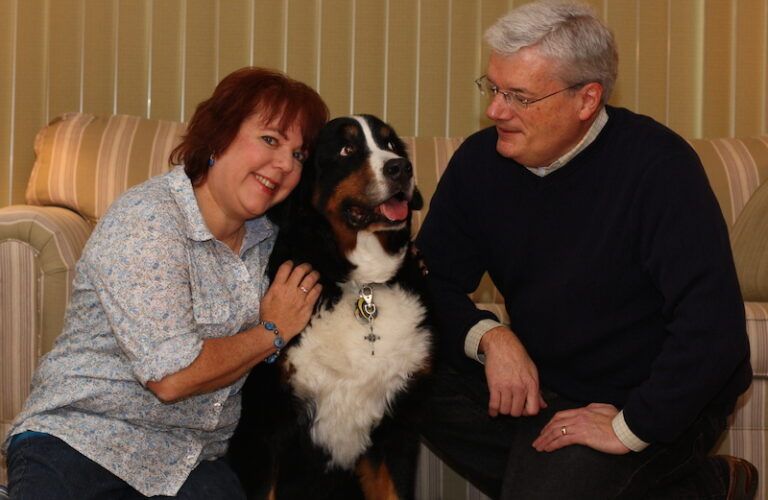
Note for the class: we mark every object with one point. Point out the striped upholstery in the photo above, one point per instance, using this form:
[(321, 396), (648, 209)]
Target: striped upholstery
[(735, 168), (750, 242), (84, 162), (38, 250), (748, 433)]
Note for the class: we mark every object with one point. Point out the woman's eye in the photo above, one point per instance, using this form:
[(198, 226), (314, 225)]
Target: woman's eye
[(269, 140), (300, 156), (347, 150)]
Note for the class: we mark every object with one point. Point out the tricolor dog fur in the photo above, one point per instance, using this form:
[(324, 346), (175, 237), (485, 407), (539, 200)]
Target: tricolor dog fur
[(335, 416)]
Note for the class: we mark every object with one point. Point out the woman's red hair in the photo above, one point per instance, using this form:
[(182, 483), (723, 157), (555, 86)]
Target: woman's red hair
[(270, 94)]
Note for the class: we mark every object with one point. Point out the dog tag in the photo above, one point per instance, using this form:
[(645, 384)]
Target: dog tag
[(365, 312), (365, 309), (372, 338)]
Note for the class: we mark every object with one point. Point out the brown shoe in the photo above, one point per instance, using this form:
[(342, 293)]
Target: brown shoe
[(741, 476)]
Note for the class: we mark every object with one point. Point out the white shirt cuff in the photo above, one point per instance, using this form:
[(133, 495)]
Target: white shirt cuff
[(472, 340), (626, 436)]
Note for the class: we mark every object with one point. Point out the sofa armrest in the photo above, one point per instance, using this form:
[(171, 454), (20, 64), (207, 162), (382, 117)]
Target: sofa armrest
[(39, 247), (757, 331), (748, 426)]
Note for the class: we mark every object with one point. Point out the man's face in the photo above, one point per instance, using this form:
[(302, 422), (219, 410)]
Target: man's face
[(540, 133)]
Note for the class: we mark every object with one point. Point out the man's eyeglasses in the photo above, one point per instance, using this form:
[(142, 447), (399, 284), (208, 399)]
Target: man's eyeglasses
[(490, 89)]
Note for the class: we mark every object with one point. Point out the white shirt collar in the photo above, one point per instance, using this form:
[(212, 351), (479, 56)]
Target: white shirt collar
[(589, 137)]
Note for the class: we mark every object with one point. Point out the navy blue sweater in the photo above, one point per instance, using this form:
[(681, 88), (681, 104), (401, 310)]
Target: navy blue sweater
[(616, 271)]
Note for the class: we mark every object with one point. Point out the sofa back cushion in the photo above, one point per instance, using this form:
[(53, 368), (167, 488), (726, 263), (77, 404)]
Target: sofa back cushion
[(749, 238), (83, 162), (735, 167)]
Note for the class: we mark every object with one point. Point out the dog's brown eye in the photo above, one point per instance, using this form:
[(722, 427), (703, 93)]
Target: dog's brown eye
[(390, 146), (347, 150)]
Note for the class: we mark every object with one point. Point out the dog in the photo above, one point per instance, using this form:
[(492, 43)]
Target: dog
[(335, 416)]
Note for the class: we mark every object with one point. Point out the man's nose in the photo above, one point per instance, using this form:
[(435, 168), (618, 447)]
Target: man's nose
[(498, 109)]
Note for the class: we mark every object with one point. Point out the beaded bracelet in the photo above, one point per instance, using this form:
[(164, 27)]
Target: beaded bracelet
[(279, 342)]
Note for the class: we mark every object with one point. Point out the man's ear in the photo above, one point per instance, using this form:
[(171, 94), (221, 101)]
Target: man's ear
[(591, 94)]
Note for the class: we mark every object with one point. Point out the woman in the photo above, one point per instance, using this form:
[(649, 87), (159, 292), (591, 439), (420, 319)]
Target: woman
[(171, 309)]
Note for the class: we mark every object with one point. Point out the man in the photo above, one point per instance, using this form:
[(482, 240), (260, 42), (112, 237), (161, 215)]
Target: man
[(627, 347)]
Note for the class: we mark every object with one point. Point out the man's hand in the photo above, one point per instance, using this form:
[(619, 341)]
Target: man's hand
[(589, 426), (513, 379)]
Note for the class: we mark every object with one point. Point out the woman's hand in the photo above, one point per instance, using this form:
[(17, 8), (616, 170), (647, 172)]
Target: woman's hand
[(291, 297)]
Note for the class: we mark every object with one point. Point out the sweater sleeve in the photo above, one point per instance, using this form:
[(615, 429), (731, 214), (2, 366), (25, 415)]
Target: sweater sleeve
[(453, 253), (685, 248)]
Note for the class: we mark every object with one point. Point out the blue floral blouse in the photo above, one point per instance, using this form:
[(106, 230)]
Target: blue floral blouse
[(152, 283)]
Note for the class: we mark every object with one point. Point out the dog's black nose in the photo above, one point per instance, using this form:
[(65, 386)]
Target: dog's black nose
[(398, 168)]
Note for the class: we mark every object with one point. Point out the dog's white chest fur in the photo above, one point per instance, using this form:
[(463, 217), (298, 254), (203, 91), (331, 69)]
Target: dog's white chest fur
[(349, 388)]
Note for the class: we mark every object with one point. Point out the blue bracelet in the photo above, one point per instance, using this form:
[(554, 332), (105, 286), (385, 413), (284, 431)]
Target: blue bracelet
[(279, 342)]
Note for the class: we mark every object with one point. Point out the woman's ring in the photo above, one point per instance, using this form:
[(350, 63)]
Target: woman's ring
[(563, 430), (303, 289)]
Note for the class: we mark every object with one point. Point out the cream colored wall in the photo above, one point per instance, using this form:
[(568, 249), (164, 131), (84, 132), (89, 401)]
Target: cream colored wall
[(698, 66)]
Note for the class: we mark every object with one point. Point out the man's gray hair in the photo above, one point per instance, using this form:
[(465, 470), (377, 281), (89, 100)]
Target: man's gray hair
[(569, 33)]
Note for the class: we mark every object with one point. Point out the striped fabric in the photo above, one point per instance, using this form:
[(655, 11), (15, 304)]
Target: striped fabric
[(83, 162), (748, 430), (20, 347), (749, 238), (39, 247), (735, 168)]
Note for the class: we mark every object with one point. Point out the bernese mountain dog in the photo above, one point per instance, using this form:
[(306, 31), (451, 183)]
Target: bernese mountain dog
[(335, 416)]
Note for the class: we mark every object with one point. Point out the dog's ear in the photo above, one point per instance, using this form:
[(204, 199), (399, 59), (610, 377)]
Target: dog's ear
[(417, 202)]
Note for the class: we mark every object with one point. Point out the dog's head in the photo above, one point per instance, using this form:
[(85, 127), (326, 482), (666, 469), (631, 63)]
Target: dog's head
[(363, 179)]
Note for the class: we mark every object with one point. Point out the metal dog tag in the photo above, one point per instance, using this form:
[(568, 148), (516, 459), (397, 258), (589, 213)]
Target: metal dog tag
[(365, 309)]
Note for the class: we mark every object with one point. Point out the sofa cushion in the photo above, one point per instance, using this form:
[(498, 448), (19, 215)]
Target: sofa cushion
[(749, 239), (757, 331), (84, 162), (735, 168)]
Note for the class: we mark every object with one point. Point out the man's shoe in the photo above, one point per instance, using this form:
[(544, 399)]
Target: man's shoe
[(738, 474)]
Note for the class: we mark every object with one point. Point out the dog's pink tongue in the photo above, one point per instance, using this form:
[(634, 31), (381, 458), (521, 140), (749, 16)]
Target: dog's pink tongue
[(394, 209)]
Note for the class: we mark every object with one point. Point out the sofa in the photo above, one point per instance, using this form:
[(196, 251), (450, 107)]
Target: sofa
[(83, 162)]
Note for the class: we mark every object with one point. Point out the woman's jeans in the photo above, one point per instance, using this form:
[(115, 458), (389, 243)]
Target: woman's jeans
[(43, 467)]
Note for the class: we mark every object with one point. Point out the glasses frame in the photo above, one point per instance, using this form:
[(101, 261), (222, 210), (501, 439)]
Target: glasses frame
[(485, 85)]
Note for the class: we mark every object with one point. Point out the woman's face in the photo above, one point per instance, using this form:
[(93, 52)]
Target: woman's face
[(259, 169)]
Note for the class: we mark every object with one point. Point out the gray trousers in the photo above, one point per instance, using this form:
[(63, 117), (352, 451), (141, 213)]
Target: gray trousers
[(495, 453)]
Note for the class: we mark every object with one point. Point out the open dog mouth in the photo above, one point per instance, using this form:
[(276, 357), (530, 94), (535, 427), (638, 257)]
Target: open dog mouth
[(394, 210)]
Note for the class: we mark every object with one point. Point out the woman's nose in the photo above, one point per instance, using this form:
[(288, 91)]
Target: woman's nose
[(284, 160)]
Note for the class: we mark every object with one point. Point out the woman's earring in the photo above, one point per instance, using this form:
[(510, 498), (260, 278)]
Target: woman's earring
[(211, 160)]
